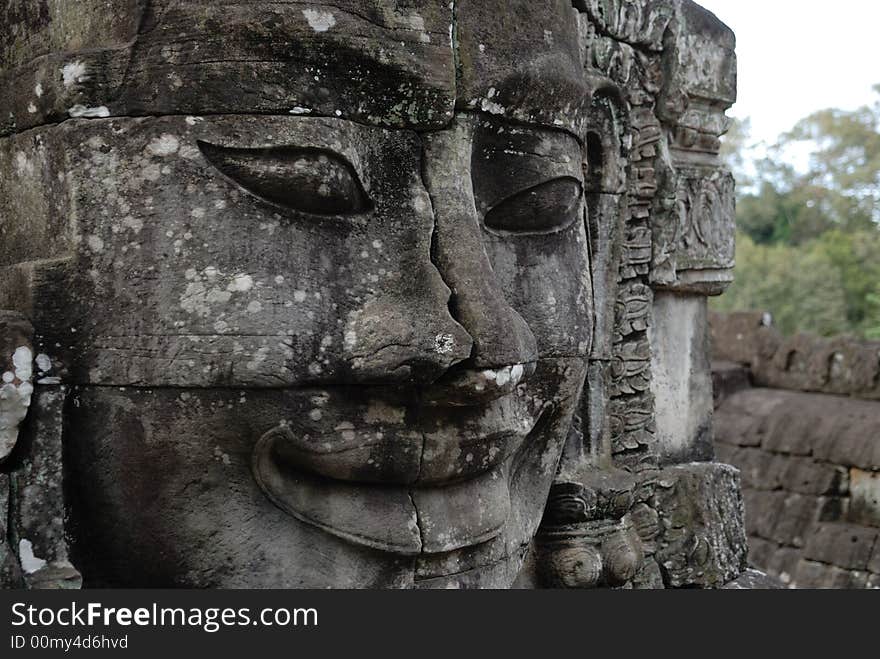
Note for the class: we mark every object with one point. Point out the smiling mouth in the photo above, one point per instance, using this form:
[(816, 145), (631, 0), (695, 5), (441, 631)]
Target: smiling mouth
[(407, 490)]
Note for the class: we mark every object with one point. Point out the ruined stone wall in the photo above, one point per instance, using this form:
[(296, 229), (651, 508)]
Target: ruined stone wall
[(799, 417)]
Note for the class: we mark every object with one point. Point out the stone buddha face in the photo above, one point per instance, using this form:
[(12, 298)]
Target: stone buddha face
[(327, 351)]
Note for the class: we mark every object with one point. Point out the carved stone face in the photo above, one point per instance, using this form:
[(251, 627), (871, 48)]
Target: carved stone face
[(313, 350)]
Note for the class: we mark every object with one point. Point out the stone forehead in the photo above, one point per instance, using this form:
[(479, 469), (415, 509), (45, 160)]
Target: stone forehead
[(379, 62)]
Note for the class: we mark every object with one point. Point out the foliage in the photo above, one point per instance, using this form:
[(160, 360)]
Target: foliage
[(809, 244)]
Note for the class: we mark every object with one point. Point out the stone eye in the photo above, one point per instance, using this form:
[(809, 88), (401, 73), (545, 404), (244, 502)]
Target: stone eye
[(544, 208), (309, 180)]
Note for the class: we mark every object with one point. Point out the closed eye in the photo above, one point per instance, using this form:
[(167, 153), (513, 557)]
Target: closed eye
[(305, 179), (544, 208)]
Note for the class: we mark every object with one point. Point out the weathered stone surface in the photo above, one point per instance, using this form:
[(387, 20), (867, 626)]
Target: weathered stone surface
[(16, 387), (813, 575), (693, 226), (682, 379), (754, 580), (356, 294), (846, 545), (874, 562), (10, 571), (842, 365), (865, 492), (737, 337), (760, 551), (831, 429), (203, 57), (743, 418), (702, 540), (38, 509), (728, 378)]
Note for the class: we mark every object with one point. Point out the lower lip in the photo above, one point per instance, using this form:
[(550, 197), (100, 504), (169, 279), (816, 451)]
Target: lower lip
[(415, 456)]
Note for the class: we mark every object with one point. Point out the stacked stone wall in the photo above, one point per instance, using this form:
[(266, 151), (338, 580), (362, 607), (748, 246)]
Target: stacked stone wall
[(800, 418)]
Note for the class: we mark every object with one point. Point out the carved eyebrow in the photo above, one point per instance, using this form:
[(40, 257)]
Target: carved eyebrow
[(306, 179)]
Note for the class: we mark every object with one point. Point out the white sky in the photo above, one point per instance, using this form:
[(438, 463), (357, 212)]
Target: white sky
[(799, 56)]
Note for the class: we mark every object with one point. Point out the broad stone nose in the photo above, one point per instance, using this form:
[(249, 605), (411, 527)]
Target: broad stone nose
[(501, 336)]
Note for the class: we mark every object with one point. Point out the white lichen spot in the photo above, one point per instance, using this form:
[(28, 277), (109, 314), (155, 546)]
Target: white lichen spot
[(300, 110), (443, 344), (29, 562), (192, 121), (491, 107), (350, 339), (316, 415), (73, 73), (38, 90), (15, 399), (152, 172), (164, 145), (22, 164), (44, 362), (516, 373), (95, 243), (254, 307), (133, 223), (240, 283), (32, 108), (319, 21), (299, 296), (83, 112), (22, 362)]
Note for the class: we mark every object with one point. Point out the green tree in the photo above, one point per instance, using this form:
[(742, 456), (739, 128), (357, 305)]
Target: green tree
[(839, 189), (809, 243), (801, 288)]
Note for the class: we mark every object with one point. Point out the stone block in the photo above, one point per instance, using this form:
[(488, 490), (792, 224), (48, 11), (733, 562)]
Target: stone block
[(750, 462), (682, 379), (754, 580), (865, 497), (742, 418), (848, 579), (762, 511), (806, 476), (728, 378), (783, 564), (761, 552), (874, 563), (735, 336), (795, 519), (38, 511), (702, 540), (10, 571), (843, 545), (813, 575)]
